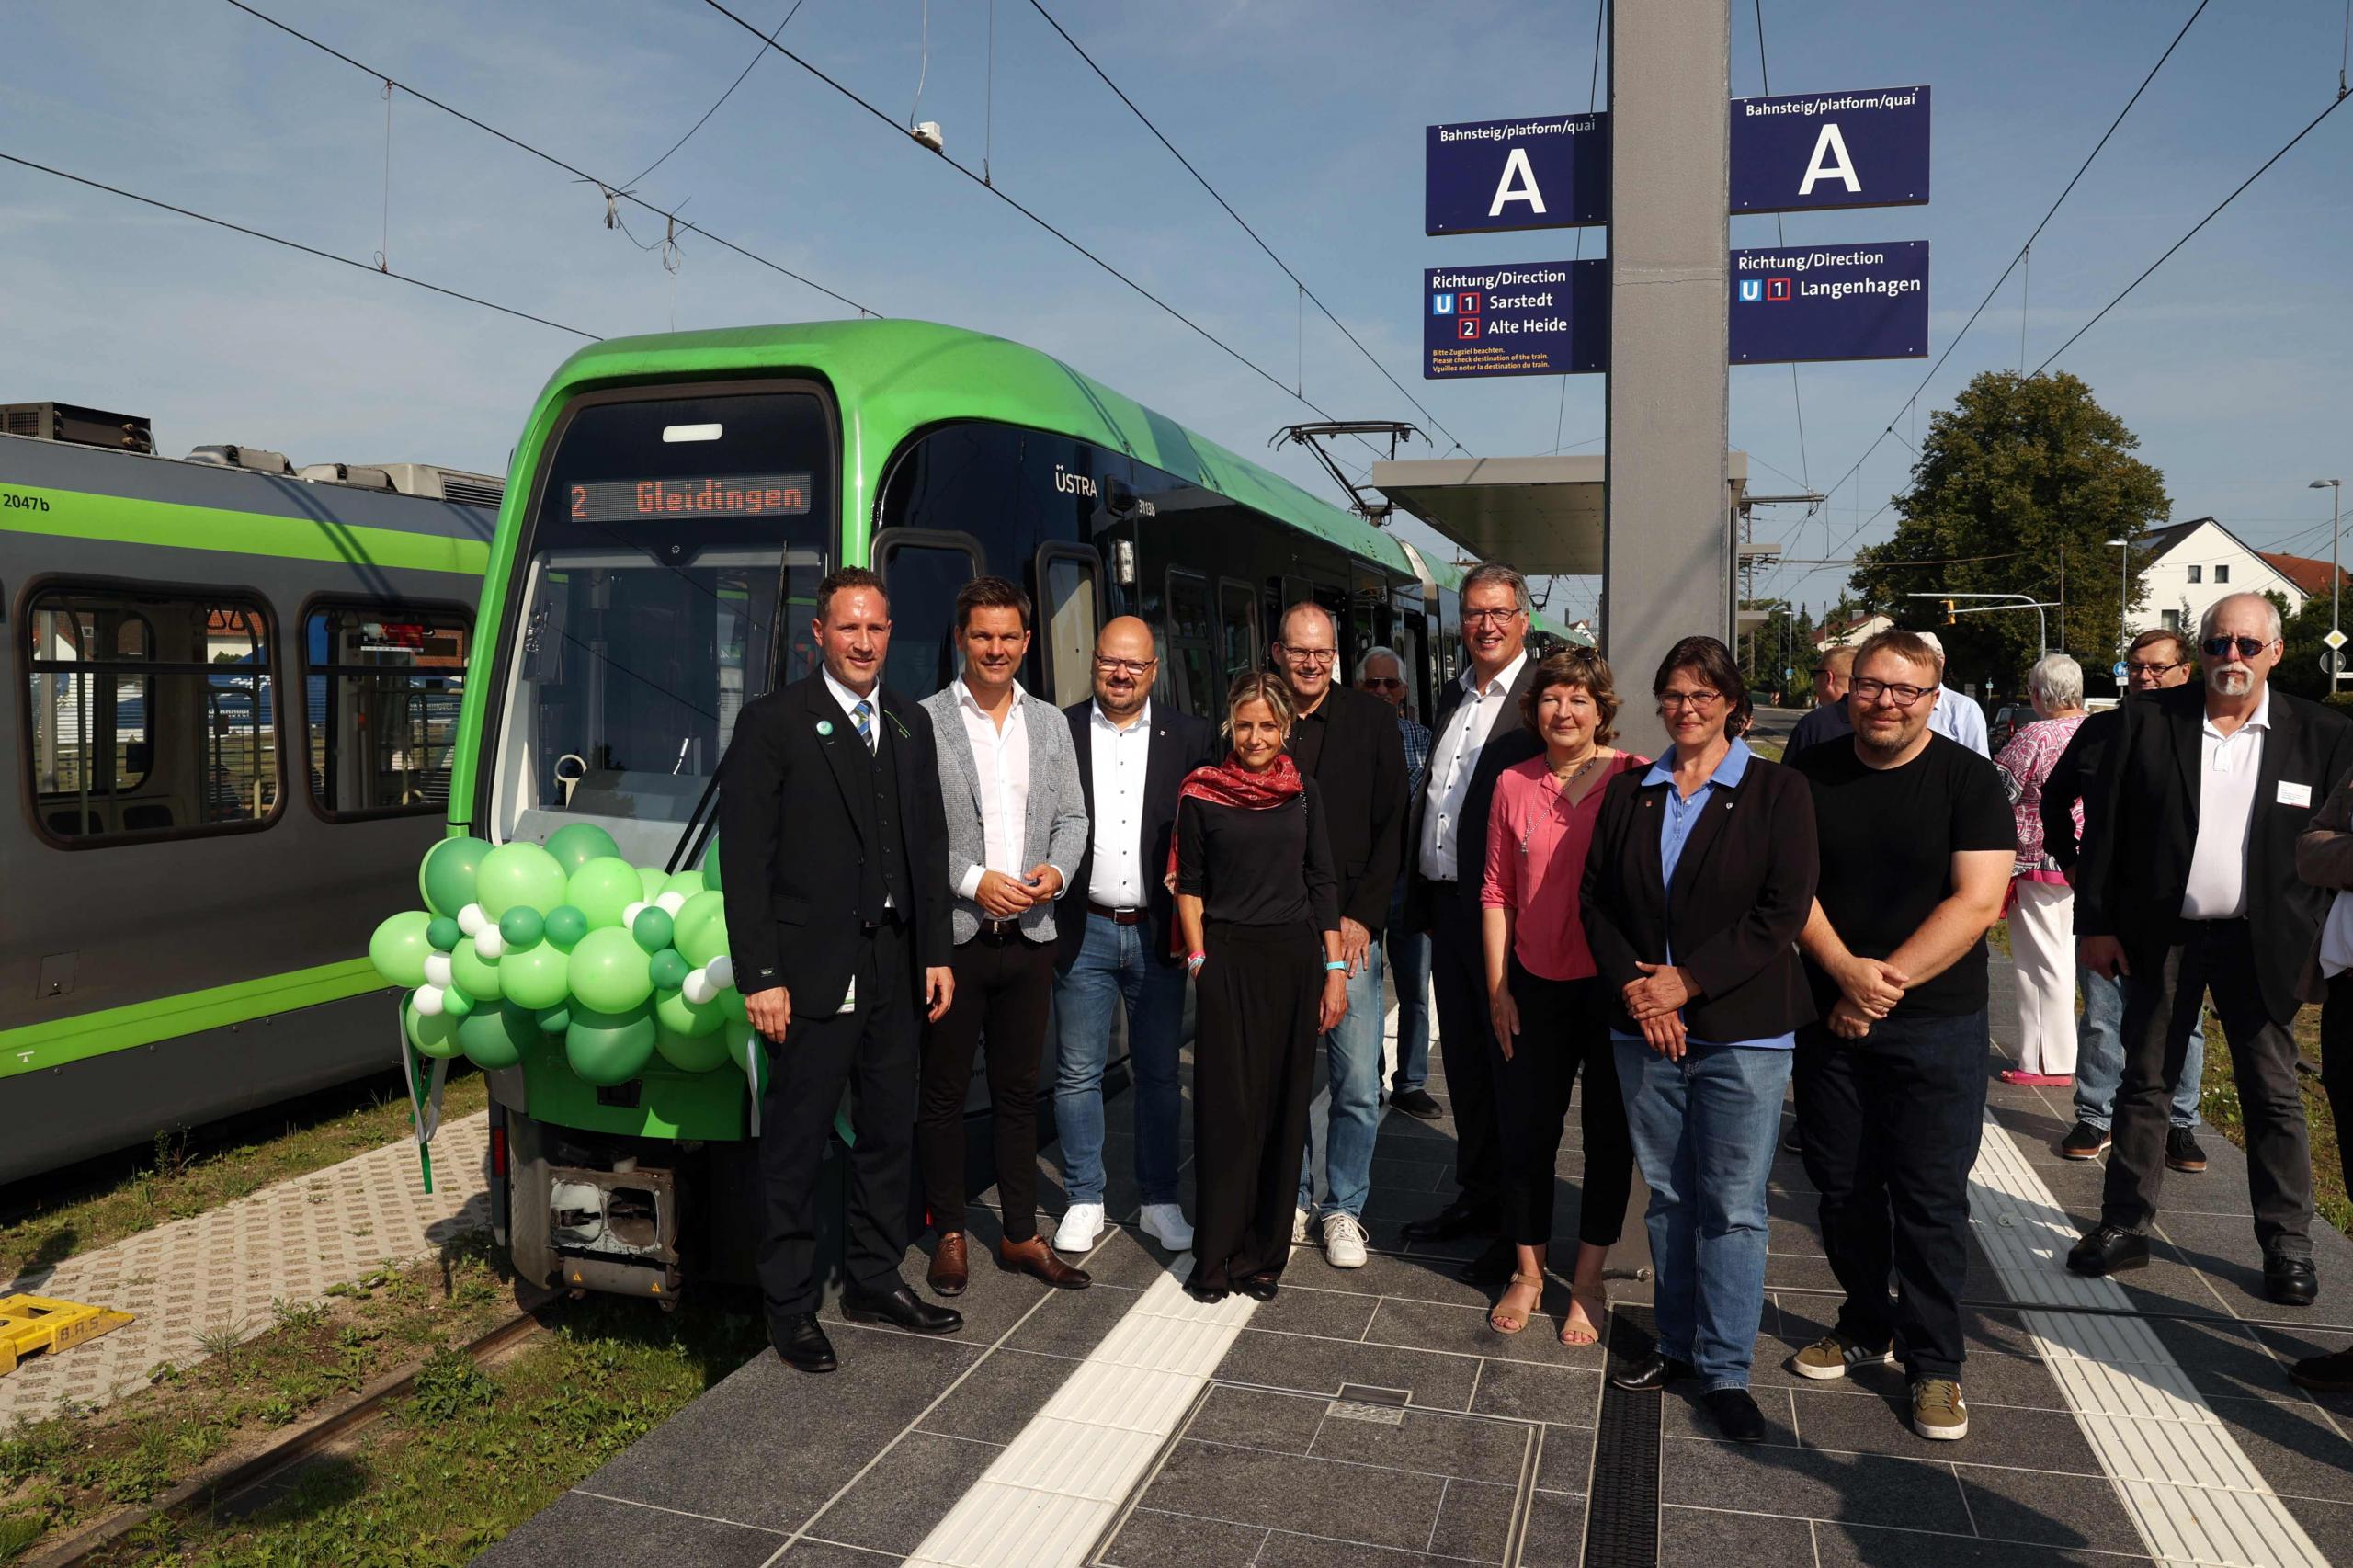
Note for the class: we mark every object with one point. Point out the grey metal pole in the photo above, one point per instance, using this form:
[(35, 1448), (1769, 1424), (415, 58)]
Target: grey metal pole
[(1667, 549), (2336, 492)]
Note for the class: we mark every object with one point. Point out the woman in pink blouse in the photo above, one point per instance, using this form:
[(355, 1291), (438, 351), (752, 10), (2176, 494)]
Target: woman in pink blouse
[(1550, 1010), (2042, 904)]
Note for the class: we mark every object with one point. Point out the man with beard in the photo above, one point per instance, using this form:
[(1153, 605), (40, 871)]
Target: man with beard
[(2188, 887)]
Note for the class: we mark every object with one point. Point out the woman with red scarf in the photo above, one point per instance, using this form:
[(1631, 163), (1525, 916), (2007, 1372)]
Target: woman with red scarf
[(1258, 908)]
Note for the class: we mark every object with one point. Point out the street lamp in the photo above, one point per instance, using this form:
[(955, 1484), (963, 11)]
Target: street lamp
[(2123, 592), (2337, 493)]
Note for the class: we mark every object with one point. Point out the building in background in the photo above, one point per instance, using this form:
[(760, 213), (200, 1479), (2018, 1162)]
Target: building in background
[(2189, 565)]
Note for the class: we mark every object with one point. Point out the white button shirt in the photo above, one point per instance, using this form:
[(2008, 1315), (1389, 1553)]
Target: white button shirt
[(1454, 758), (2228, 767), (1118, 758), (1001, 765)]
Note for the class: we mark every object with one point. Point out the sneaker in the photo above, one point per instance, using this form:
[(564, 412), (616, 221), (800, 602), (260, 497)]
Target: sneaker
[(1165, 1222), (1937, 1410), (1082, 1224), (2182, 1152), (2085, 1142), (1298, 1219), (1830, 1357), (1343, 1241), (1418, 1103)]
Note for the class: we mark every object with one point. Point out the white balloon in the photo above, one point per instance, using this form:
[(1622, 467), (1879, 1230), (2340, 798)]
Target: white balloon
[(628, 915), (428, 1001), (437, 969), (488, 944), (670, 904), (697, 988), (722, 971), (471, 919)]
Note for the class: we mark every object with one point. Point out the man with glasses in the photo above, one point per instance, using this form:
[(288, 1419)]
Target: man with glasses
[(2156, 661), (2188, 888), (1346, 741), (1132, 756), (1828, 720), (1382, 673), (1917, 845)]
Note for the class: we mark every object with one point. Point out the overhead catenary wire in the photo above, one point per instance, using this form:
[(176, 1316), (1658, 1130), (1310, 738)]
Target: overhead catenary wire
[(295, 245), (757, 55)]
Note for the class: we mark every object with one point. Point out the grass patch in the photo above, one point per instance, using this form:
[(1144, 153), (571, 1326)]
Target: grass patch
[(2218, 1102), (178, 1178)]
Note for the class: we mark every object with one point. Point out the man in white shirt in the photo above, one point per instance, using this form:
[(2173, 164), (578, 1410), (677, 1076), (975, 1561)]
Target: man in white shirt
[(1955, 715)]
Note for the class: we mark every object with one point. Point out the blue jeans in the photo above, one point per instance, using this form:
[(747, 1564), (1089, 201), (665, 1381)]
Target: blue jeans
[(1408, 953), (2099, 1056), (1113, 966), (1352, 1058), (1704, 1130)]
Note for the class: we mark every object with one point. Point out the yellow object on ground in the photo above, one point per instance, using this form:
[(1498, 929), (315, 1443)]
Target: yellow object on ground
[(32, 1324)]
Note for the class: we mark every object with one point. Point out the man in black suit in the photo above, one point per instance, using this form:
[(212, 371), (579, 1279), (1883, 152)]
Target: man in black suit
[(834, 856), (1347, 742), (1476, 735), (2187, 885), (1132, 755)]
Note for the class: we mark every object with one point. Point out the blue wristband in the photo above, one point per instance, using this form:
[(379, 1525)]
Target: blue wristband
[(1332, 965)]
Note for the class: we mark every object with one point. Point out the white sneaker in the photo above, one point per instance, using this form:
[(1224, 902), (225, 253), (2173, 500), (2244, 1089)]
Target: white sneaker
[(1165, 1222), (1082, 1224), (1343, 1241), (1298, 1227)]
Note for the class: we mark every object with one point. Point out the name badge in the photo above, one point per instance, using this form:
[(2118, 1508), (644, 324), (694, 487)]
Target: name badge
[(2295, 794)]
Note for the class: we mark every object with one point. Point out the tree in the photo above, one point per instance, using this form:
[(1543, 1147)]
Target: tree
[(2017, 490), (2300, 673)]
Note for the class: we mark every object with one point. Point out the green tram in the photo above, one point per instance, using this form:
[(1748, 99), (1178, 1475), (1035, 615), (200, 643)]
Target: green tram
[(234, 692), (674, 503)]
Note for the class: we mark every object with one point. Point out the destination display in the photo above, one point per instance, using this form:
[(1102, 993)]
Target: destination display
[(733, 495), (1867, 147), (1492, 175), (1527, 319), (1856, 301)]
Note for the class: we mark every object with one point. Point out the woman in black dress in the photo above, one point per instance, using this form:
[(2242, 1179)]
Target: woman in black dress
[(1257, 906)]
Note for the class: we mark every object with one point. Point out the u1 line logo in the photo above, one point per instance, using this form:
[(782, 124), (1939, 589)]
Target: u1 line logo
[(1751, 291), (1441, 304)]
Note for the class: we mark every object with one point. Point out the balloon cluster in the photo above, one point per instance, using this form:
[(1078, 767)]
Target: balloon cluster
[(519, 943)]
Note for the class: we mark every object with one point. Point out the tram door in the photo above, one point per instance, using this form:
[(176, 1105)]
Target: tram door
[(922, 571), (1068, 592)]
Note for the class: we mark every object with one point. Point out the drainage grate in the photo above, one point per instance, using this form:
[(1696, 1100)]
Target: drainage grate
[(1621, 1518)]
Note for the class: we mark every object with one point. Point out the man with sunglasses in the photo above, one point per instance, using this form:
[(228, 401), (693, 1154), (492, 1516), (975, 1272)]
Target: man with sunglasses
[(2188, 888), (2157, 660)]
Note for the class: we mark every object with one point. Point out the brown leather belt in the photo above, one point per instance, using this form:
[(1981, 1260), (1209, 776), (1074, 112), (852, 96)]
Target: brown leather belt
[(1115, 916)]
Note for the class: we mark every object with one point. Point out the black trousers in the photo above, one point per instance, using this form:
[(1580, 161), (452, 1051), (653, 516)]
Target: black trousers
[(1563, 1025), (1459, 980), (872, 1051), (1003, 987), (1254, 1012), (2167, 987)]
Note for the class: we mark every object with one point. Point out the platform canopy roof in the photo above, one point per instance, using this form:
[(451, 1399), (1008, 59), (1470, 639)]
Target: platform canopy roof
[(1543, 514)]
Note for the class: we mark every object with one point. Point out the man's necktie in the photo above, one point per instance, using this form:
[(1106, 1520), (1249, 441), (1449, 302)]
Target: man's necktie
[(863, 714)]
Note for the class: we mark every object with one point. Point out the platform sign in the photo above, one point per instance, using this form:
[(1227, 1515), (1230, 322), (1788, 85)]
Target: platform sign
[(1545, 318), (1490, 175), (1854, 301), (1866, 148)]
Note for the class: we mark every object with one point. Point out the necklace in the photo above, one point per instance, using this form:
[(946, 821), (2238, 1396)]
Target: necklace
[(1563, 781)]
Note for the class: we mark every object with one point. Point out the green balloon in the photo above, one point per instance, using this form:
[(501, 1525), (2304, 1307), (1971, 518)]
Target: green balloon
[(699, 929), (611, 973), (609, 1048), (518, 876), (434, 1036), (691, 1053), (495, 1037), (650, 879), (651, 928), (602, 889), (686, 885), (475, 975), (537, 976), (445, 877), (731, 1002), (399, 947), (521, 926), (455, 1003), (556, 1019), (575, 844), (566, 926), (443, 933), (710, 863), (669, 971), (674, 1013)]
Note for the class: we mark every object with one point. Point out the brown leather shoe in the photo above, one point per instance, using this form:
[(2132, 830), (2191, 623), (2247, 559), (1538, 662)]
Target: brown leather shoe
[(1035, 1258), (949, 1273)]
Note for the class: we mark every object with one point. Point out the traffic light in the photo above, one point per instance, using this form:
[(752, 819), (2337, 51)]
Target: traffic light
[(1948, 618)]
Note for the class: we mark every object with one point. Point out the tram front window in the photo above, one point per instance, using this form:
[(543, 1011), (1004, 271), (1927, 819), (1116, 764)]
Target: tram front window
[(673, 537)]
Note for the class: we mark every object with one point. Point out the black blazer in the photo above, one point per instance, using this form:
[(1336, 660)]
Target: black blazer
[(1180, 743), (789, 847), (2141, 827), (1360, 771), (1511, 741), (2071, 780), (1744, 887)]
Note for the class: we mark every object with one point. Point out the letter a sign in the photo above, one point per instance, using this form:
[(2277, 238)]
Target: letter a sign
[(1867, 147)]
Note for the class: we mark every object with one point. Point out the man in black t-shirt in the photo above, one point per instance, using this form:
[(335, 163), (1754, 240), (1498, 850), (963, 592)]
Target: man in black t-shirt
[(1917, 845)]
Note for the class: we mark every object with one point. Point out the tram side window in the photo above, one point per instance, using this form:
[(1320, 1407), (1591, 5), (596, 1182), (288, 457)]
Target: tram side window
[(1067, 619), (1238, 626), (382, 684), (1190, 633), (921, 576), (152, 714)]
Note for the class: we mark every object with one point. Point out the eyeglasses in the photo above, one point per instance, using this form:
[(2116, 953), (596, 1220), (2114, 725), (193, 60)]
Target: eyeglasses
[(2220, 647), (1671, 701), (1123, 667), (1325, 656), (1384, 683), (1869, 691), (1489, 617), (2135, 667)]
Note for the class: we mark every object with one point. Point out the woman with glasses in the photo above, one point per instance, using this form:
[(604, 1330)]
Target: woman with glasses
[(2042, 906), (1550, 1006), (1700, 876)]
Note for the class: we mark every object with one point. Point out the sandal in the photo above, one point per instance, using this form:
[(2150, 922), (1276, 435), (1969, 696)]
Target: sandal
[(1598, 1304), (1505, 1321)]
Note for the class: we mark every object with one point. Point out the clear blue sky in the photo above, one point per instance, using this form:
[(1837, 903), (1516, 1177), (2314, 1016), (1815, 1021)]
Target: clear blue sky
[(2232, 363)]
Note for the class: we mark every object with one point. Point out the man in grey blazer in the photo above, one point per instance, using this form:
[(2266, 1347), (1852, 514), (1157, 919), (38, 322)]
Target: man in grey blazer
[(1016, 828)]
